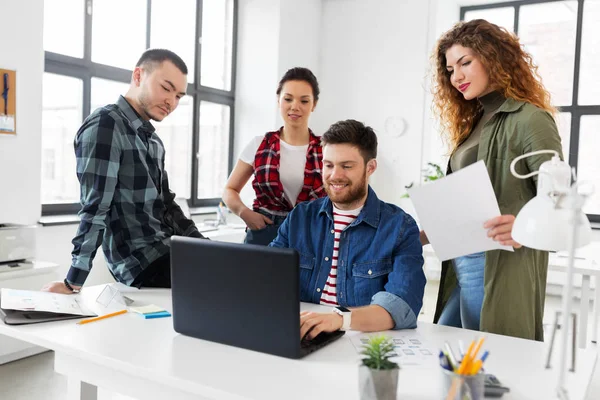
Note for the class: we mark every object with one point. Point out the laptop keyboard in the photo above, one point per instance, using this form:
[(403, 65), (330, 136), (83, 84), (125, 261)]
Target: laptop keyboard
[(307, 346)]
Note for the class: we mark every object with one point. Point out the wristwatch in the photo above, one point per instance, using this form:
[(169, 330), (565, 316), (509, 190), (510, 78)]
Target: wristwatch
[(346, 316), (68, 285)]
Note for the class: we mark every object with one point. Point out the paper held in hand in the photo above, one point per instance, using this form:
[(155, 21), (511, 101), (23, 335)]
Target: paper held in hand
[(452, 211)]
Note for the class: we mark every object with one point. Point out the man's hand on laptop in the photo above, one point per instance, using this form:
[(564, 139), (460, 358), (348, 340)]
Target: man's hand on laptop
[(312, 323), (57, 287)]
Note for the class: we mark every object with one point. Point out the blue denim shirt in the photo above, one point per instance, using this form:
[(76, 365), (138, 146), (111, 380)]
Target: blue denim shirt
[(380, 257)]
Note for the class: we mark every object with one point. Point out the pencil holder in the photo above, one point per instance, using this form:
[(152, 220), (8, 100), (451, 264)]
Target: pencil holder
[(462, 387)]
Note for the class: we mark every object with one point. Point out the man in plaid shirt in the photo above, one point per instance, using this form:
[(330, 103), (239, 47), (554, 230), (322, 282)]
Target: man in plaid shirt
[(127, 206)]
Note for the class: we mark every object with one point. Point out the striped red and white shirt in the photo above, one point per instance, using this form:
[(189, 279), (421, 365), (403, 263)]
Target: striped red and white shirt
[(341, 220)]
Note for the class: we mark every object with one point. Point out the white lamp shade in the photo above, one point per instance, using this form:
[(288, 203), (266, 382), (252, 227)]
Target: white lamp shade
[(539, 225)]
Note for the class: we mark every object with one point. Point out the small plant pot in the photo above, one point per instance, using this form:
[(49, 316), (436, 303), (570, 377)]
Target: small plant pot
[(375, 384)]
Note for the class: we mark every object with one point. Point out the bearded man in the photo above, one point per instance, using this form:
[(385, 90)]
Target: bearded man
[(358, 254)]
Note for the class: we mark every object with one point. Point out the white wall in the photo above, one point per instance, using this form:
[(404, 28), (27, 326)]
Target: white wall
[(257, 69), (273, 36), (20, 168), (373, 69)]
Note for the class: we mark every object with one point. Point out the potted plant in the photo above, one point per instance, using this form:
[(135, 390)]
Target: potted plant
[(378, 376), (432, 172)]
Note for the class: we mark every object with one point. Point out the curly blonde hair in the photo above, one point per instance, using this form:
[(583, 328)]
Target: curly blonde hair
[(510, 68)]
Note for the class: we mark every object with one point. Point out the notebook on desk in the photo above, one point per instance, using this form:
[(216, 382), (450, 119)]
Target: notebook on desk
[(241, 295), (29, 307)]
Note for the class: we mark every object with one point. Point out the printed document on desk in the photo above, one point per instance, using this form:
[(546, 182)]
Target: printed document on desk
[(409, 347), (26, 306), (452, 211)]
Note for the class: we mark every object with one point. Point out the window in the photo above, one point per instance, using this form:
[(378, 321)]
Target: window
[(501, 16), (217, 34), (111, 45), (562, 36), (57, 15), (589, 78), (104, 91), (88, 64), (214, 157), (61, 117), (181, 40), (175, 132)]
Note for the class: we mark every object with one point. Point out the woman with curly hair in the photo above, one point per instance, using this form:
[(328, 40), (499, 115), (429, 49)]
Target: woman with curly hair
[(493, 107)]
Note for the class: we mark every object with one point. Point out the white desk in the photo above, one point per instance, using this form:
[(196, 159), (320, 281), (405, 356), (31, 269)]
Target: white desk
[(587, 264), (146, 359)]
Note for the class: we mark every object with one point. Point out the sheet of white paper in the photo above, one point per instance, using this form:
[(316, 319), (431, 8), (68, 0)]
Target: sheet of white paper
[(409, 348), (27, 300), (452, 211), (7, 123)]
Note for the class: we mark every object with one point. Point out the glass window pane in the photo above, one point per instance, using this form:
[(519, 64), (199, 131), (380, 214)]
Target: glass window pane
[(110, 44), (217, 43), (588, 167), (548, 32), (61, 117), (503, 16), (213, 155), (180, 40), (589, 76), (63, 27), (106, 92), (563, 121), (176, 133)]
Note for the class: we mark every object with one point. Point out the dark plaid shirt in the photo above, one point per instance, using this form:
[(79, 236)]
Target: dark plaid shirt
[(127, 206), (267, 185)]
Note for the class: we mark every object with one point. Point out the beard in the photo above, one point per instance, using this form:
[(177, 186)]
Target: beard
[(147, 107), (353, 192)]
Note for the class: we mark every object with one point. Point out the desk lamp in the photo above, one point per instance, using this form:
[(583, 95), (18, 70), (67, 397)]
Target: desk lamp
[(553, 221)]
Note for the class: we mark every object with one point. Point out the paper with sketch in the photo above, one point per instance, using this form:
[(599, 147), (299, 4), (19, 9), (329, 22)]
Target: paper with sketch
[(452, 211), (27, 300), (409, 348)]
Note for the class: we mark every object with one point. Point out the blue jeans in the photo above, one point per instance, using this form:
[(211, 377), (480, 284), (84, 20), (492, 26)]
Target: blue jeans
[(463, 309), (267, 234)]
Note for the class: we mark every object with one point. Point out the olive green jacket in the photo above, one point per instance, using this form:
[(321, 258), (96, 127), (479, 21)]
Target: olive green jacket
[(514, 283)]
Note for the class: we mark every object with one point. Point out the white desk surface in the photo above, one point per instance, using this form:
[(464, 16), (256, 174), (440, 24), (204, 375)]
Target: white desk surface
[(147, 359)]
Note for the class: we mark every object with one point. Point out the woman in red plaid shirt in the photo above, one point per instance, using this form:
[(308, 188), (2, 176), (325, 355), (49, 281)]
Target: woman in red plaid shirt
[(286, 163)]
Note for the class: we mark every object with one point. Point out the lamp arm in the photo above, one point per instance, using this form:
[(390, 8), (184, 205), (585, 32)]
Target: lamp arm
[(533, 153)]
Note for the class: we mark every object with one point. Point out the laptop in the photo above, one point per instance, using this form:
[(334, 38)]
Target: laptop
[(241, 295)]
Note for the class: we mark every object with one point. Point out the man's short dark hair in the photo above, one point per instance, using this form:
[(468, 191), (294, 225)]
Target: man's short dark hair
[(354, 133), (154, 57)]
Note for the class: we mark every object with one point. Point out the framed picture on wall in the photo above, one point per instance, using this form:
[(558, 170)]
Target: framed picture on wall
[(8, 104)]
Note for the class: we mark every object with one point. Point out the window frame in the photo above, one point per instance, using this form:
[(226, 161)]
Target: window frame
[(576, 110), (85, 69)]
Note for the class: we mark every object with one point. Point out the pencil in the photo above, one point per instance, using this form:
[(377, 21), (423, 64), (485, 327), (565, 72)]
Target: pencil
[(85, 321), (479, 343), (466, 359)]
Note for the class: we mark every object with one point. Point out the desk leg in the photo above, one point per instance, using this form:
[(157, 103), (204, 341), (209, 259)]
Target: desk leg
[(78, 390), (585, 309), (596, 309)]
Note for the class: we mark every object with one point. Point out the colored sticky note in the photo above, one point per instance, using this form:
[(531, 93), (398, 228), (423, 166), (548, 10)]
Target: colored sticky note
[(149, 309), (161, 314)]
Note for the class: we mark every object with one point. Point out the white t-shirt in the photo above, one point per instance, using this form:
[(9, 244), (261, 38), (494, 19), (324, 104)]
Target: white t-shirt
[(292, 161)]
